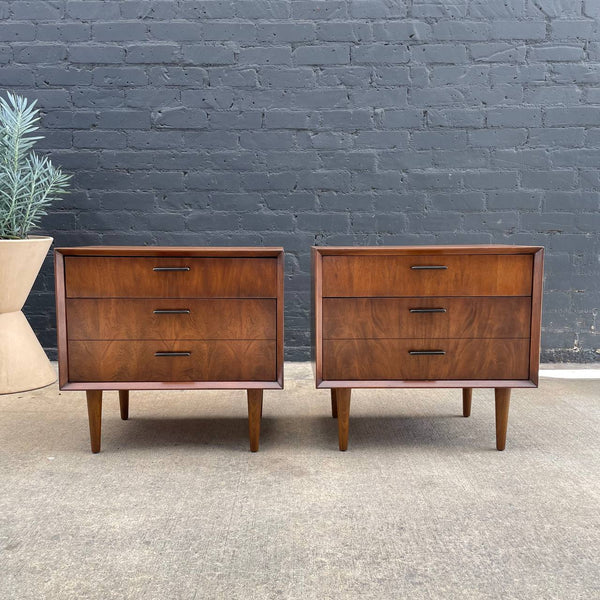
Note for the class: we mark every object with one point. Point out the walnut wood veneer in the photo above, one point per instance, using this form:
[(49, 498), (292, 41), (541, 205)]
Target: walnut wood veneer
[(437, 316), (139, 318)]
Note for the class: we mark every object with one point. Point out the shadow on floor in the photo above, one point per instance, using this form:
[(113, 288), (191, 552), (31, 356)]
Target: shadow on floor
[(320, 433)]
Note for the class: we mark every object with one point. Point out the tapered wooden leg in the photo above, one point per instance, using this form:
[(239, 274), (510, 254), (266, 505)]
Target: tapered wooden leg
[(255, 400), (94, 403), (467, 396), (502, 405), (342, 397), (333, 404), (124, 404)]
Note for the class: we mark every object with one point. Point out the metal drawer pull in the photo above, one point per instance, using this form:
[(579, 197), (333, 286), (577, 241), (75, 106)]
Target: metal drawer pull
[(428, 267), (172, 354), (427, 352), (171, 269), (427, 310), (176, 311)]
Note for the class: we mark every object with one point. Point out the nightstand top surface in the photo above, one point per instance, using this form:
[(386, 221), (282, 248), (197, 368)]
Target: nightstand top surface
[(201, 251), (430, 249)]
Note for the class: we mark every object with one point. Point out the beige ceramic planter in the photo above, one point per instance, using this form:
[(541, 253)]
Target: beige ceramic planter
[(23, 363)]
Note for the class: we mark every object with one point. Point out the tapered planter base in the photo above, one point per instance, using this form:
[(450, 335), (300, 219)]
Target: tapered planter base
[(23, 362)]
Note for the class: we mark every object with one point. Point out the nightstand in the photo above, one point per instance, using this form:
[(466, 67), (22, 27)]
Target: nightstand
[(435, 316), (167, 318)]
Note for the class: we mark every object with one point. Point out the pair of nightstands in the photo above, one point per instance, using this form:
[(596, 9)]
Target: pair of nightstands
[(133, 318)]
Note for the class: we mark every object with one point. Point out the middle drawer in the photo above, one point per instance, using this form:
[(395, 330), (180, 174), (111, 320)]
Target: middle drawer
[(440, 317), (171, 319)]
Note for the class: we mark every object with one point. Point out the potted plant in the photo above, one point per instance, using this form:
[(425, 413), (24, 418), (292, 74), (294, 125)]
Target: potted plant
[(28, 184)]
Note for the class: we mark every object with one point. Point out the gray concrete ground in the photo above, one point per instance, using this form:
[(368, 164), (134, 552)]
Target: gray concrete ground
[(421, 506)]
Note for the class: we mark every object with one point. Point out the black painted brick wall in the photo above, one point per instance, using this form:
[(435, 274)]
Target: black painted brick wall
[(342, 122)]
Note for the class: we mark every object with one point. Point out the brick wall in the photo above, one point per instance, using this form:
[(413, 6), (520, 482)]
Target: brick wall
[(342, 122)]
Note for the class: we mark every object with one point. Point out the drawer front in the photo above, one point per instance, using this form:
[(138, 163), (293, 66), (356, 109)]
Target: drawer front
[(451, 275), (440, 317), (166, 319), (391, 359), (215, 360), (177, 277)]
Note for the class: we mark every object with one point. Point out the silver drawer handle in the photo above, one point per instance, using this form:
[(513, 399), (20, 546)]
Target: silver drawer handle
[(176, 311), (428, 267), (427, 352), (171, 269), (172, 354), (427, 310)]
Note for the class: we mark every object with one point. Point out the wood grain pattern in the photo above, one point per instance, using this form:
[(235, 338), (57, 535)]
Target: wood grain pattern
[(94, 405), (536, 315), (255, 404), (61, 318), (343, 416), (74, 386), (218, 360), (502, 397), (467, 396), (316, 309), (437, 250), (134, 277), (533, 255), (280, 316), (390, 384), (134, 319), (229, 329), (476, 317), (390, 359), (124, 404), (466, 275), (192, 251)]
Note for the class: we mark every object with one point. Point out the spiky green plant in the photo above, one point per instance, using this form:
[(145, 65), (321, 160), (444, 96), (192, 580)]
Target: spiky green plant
[(28, 183)]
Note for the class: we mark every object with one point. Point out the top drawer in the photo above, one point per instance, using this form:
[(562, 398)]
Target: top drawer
[(176, 277), (448, 275)]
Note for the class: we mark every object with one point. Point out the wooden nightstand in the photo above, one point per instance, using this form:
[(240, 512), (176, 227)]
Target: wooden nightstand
[(437, 316), (141, 318)]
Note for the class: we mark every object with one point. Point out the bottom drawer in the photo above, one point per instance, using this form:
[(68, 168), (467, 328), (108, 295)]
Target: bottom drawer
[(391, 359), (213, 360)]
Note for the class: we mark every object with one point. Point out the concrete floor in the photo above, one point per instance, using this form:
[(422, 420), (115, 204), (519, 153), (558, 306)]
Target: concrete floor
[(421, 505)]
